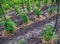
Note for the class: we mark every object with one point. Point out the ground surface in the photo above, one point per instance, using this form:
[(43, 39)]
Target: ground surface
[(30, 33), (32, 37)]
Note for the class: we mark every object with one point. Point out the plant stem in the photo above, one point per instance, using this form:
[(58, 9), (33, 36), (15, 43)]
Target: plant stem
[(3, 12)]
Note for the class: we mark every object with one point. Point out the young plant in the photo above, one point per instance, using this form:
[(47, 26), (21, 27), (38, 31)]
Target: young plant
[(17, 2), (22, 41), (38, 4), (23, 1), (45, 2), (5, 5), (28, 5), (48, 33), (15, 5), (32, 3), (37, 12), (9, 26), (24, 17), (56, 8), (50, 11), (17, 9)]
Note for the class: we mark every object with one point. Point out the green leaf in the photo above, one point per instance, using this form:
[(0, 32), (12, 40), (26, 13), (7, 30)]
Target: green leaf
[(24, 17), (5, 5), (28, 5), (37, 12), (22, 41), (1, 13), (45, 1), (50, 11), (48, 33), (9, 26)]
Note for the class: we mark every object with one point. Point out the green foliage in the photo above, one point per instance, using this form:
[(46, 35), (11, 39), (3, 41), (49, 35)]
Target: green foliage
[(1, 14), (28, 5), (50, 11), (54, 36), (45, 2), (17, 9), (0, 11), (37, 12), (24, 17), (22, 41), (17, 1), (5, 5), (11, 4), (1, 1), (37, 4), (9, 26), (48, 33), (52, 1), (48, 27)]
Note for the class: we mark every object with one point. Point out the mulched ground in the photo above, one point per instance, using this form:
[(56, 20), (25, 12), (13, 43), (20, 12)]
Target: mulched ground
[(23, 31), (33, 37)]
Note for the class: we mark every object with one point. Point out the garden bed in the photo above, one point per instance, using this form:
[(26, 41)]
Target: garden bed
[(33, 37), (26, 22), (20, 24), (32, 27)]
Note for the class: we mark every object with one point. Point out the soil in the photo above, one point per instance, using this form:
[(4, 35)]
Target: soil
[(33, 37), (27, 31), (30, 33)]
